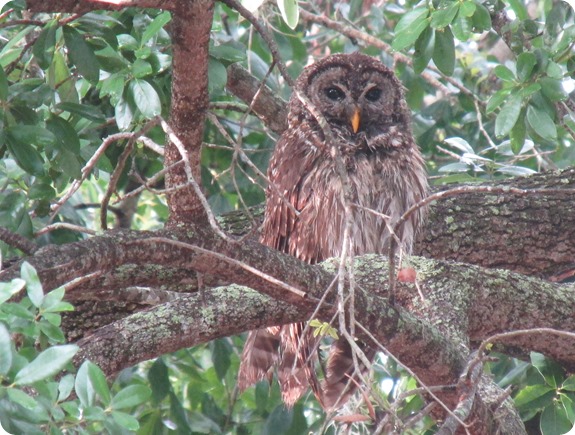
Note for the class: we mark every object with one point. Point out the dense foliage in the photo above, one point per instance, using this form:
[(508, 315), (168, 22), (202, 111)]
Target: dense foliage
[(489, 84)]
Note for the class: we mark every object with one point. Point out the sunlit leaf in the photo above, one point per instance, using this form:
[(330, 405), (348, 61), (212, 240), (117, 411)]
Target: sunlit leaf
[(508, 116), (541, 122), (5, 350), (155, 26), (130, 396), (525, 64), (409, 27), (444, 16), (33, 284), (146, 98), (289, 11), (554, 420), (46, 364)]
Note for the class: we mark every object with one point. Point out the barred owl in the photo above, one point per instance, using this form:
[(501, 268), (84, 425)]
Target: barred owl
[(362, 103)]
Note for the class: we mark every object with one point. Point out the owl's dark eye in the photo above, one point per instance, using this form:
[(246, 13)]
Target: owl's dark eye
[(373, 94), (334, 94)]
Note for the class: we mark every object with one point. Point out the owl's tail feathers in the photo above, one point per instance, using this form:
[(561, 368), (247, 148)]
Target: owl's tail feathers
[(258, 357), (341, 379), (296, 370)]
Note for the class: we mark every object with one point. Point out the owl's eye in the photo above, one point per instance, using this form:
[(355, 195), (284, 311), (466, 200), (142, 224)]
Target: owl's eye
[(334, 94), (373, 94)]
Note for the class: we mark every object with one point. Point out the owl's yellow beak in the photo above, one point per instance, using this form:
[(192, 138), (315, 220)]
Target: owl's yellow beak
[(355, 120)]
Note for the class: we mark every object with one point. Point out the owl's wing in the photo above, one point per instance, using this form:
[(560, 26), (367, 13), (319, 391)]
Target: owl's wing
[(287, 194)]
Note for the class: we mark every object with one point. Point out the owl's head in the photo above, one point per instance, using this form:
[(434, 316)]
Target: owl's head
[(356, 94)]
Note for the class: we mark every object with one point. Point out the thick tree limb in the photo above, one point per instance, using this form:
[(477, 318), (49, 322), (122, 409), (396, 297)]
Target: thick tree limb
[(191, 25)]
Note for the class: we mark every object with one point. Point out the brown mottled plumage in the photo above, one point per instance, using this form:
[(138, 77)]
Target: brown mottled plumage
[(363, 104)]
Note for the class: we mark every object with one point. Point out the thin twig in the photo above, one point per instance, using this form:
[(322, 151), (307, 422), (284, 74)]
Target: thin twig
[(64, 226), (261, 29), (232, 261), (191, 180), (117, 173), (87, 169)]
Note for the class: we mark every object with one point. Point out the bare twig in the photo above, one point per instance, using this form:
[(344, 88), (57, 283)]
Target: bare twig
[(191, 180), (233, 261), (115, 177), (64, 226), (87, 169), (261, 29)]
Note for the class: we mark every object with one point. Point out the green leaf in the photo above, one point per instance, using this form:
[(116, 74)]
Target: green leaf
[(518, 133), (481, 19), (67, 163), (123, 114), (462, 27), (278, 421), (51, 329), (146, 98), (534, 396), (40, 190), (81, 54), (221, 357), (155, 26), (83, 386), (125, 420), (444, 51), (159, 380), (461, 144), (5, 350), (227, 53), (61, 79), (569, 383), (423, 50), (141, 68), (9, 289), (554, 420), (113, 87), (83, 110), (529, 90), (525, 64), (65, 387), (508, 116), (99, 382), (552, 372), (66, 136), (541, 123), (290, 12), (553, 89), (497, 99), (52, 299), (3, 85), (33, 284), (46, 364), (45, 44), (21, 398), (130, 396), (467, 8), (409, 27), (504, 73), (443, 17), (218, 77), (25, 154), (568, 403)]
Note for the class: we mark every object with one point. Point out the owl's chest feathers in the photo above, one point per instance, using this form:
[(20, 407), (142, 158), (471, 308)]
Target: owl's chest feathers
[(373, 191)]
